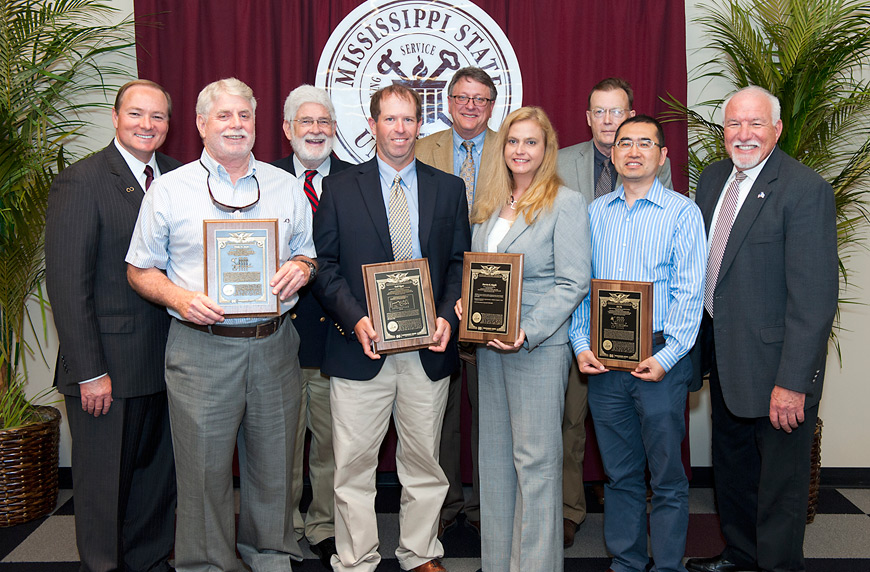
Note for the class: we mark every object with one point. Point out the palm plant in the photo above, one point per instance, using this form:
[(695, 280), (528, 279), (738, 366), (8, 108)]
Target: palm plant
[(53, 61), (810, 54)]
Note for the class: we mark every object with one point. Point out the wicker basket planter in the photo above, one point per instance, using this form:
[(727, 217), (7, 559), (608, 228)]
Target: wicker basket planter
[(28, 469)]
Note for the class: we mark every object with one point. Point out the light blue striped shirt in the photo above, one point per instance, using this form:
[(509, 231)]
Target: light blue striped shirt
[(169, 230), (660, 239)]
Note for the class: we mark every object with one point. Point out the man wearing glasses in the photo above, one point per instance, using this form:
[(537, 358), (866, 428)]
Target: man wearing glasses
[(309, 124), (586, 167), (229, 379), (643, 231), (461, 150)]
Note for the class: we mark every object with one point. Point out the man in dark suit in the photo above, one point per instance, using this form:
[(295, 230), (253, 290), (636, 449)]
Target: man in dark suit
[(771, 295), (390, 208), (309, 124), (110, 362)]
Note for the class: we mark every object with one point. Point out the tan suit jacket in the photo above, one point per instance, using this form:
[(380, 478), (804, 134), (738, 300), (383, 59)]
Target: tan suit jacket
[(436, 150)]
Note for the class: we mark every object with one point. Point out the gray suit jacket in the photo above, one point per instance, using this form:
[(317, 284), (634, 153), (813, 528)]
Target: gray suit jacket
[(436, 150), (577, 168), (776, 293), (102, 324), (557, 265)]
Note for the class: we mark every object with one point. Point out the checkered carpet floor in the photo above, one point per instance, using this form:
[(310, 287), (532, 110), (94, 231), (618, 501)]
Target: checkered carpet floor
[(838, 540)]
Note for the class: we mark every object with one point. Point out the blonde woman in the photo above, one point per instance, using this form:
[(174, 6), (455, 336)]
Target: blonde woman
[(523, 207)]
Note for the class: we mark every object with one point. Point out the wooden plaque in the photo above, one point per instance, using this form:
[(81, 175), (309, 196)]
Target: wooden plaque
[(401, 306), (241, 256), (492, 290), (621, 332)]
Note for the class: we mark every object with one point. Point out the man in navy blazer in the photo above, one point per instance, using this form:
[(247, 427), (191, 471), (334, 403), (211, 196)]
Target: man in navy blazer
[(390, 208), (110, 363), (770, 300), (309, 124)]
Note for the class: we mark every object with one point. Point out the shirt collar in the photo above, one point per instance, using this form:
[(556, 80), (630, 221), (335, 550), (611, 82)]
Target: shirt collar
[(751, 174), (322, 169), (218, 170), (655, 194), (478, 141), (136, 166), (388, 173)]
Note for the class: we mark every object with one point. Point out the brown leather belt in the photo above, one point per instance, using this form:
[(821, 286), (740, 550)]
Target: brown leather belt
[(262, 330)]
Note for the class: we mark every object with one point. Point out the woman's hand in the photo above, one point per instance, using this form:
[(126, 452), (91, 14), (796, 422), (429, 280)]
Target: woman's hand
[(499, 345)]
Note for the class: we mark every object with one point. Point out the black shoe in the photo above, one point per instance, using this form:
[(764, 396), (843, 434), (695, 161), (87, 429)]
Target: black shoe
[(325, 550), (714, 564)]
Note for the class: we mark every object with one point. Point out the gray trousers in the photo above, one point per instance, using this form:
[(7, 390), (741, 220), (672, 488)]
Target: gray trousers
[(223, 391)]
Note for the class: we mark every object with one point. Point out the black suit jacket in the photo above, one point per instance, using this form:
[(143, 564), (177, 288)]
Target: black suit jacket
[(776, 292), (308, 316), (102, 324), (350, 229)]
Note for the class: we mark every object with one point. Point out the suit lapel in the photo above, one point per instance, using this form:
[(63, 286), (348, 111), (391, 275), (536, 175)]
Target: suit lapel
[(126, 183), (518, 227), (749, 211), (427, 198), (369, 184)]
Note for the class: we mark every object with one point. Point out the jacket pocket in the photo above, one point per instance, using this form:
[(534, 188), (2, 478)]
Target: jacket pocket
[(116, 324), (772, 334)]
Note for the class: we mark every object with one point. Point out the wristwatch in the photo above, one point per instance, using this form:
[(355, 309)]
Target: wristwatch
[(313, 270)]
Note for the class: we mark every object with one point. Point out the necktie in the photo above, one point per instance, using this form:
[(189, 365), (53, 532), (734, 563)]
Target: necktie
[(720, 238), (309, 189), (605, 183), (149, 176), (400, 222), (467, 173)]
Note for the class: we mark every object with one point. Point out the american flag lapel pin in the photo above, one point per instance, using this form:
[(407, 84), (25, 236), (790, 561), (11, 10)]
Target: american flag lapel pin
[(761, 195)]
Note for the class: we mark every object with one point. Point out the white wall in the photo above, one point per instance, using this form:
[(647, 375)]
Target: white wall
[(846, 439)]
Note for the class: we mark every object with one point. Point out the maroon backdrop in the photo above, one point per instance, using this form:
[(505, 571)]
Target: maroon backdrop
[(563, 49)]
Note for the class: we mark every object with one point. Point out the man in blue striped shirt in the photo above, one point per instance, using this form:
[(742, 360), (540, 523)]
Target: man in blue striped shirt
[(645, 232)]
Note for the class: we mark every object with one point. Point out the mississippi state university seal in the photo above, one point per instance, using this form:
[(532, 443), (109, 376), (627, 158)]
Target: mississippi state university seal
[(419, 44)]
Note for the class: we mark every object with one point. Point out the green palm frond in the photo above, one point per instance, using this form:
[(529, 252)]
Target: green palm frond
[(57, 59), (811, 55)]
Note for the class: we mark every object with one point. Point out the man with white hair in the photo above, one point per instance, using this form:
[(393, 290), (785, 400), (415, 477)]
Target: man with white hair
[(229, 379), (770, 300), (309, 124)]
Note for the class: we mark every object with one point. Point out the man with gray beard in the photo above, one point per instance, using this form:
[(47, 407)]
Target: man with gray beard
[(309, 124)]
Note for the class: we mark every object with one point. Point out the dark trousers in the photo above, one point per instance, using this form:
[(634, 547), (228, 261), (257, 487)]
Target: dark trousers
[(123, 484), (762, 478)]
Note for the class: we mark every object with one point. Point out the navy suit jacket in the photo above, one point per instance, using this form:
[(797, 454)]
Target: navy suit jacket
[(308, 316), (102, 324), (350, 229), (776, 292)]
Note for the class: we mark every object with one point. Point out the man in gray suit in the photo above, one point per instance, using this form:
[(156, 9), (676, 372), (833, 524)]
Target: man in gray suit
[(110, 363), (770, 300), (586, 167), (461, 150)]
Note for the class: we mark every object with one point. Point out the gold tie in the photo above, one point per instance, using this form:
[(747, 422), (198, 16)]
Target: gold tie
[(400, 222), (467, 174)]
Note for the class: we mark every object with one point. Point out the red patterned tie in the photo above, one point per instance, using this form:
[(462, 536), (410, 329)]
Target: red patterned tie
[(149, 176), (309, 189), (720, 238)]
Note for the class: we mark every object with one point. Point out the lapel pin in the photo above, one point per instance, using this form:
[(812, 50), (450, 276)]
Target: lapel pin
[(761, 195), (130, 189)]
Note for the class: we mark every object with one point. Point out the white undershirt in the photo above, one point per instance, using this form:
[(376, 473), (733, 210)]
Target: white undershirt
[(498, 232)]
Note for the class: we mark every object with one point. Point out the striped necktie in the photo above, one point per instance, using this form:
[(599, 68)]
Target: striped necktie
[(720, 238), (309, 189), (400, 222)]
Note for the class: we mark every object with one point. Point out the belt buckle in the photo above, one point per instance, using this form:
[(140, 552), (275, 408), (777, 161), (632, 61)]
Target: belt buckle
[(258, 335)]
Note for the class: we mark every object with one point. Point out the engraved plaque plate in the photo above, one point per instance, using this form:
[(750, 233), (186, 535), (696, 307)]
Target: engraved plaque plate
[(491, 297), (400, 304), (621, 332), (241, 256)]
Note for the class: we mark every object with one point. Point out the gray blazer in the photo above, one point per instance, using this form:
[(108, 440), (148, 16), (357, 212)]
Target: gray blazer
[(557, 265), (776, 293), (577, 168)]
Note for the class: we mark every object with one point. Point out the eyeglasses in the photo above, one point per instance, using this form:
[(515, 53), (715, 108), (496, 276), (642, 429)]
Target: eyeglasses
[(310, 121), (643, 144), (477, 100), (229, 208), (615, 113)]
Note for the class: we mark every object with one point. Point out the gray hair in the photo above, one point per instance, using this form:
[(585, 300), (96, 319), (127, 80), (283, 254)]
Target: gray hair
[(306, 94), (775, 108), (228, 86)]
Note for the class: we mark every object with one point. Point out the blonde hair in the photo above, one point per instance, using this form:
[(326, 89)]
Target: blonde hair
[(496, 182)]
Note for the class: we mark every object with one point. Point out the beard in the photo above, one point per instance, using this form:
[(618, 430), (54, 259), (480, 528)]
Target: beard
[(307, 152), (744, 160)]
